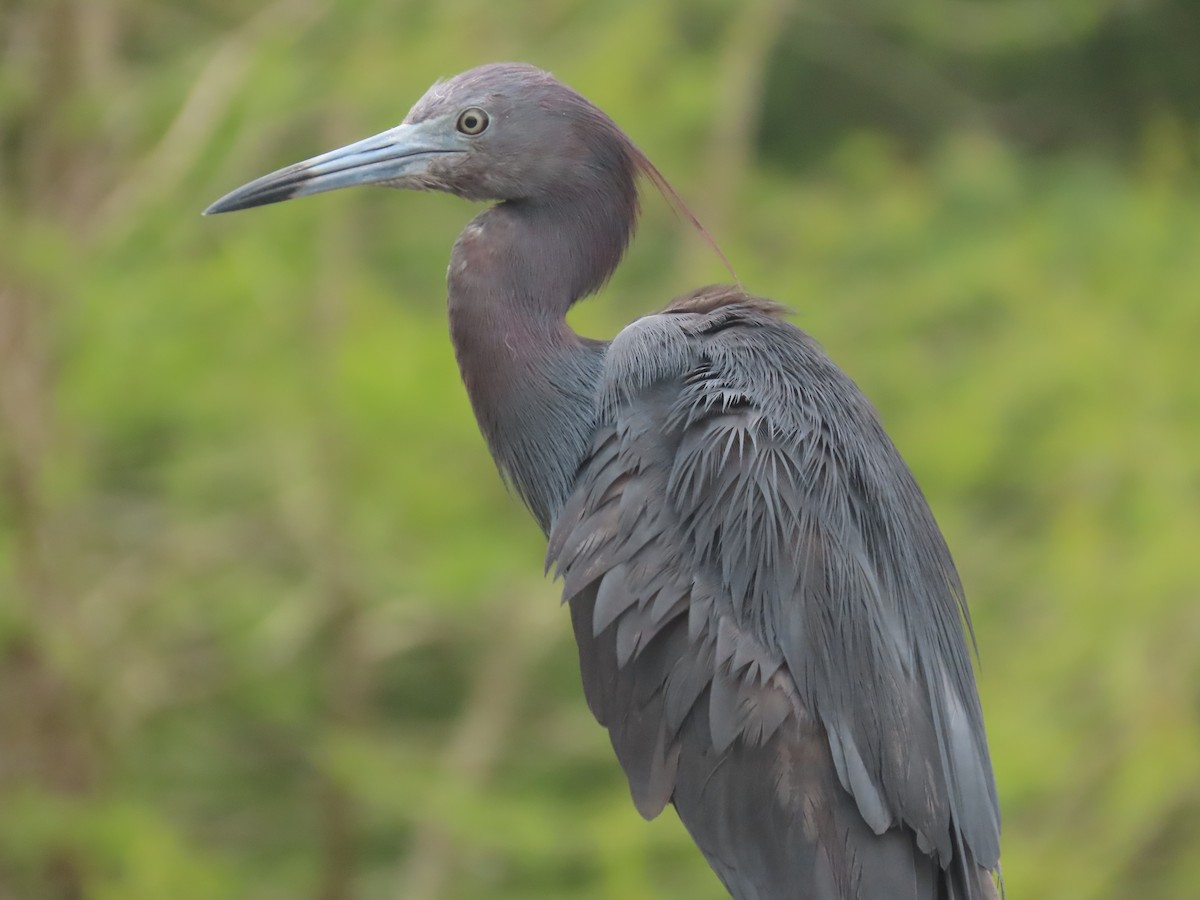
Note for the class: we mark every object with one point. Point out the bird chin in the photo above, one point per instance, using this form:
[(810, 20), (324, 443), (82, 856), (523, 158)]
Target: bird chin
[(424, 181)]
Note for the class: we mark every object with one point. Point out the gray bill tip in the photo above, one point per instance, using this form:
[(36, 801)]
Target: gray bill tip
[(250, 196)]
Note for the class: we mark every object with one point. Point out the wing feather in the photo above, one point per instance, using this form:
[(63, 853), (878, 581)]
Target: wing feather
[(770, 624)]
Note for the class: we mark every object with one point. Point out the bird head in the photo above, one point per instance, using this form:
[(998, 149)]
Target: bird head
[(504, 131)]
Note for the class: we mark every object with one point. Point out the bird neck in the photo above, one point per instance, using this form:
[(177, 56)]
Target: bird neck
[(514, 272)]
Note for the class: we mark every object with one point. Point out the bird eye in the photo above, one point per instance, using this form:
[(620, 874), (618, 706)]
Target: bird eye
[(472, 121)]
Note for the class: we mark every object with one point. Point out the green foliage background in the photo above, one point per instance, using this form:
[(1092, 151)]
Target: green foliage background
[(270, 627)]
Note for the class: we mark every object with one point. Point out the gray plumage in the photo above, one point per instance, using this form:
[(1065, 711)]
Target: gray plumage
[(769, 623)]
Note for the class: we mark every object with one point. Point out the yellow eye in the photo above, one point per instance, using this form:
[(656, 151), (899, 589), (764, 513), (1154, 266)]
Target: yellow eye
[(472, 121)]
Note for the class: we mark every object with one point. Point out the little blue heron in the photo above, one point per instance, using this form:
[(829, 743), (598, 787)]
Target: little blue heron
[(769, 622)]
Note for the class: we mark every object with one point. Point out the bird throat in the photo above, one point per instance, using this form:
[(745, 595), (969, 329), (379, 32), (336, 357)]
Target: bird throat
[(514, 273)]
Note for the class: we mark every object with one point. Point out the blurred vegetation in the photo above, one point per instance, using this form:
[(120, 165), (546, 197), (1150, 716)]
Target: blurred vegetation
[(270, 626)]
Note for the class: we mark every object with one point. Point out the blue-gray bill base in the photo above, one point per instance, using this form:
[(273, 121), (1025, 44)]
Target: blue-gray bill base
[(769, 622)]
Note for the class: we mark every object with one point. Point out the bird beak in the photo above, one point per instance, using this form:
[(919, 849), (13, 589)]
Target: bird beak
[(397, 157)]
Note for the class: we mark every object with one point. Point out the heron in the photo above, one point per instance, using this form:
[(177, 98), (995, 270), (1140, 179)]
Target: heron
[(770, 624)]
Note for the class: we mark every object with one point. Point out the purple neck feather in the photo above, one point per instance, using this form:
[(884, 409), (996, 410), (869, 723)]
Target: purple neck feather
[(514, 273)]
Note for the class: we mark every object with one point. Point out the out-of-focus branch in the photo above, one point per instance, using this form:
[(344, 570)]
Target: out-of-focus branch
[(737, 108), (25, 426), (44, 736), (520, 635), (345, 668), (207, 102)]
